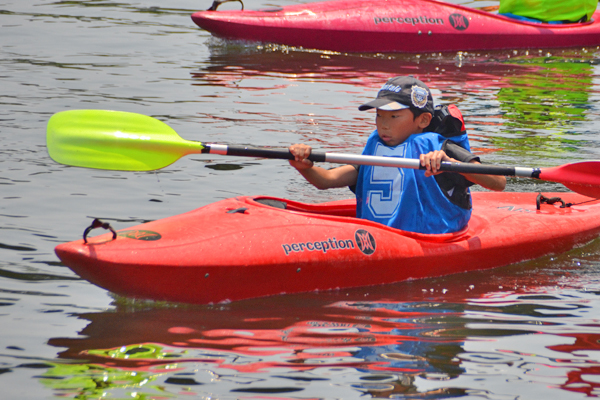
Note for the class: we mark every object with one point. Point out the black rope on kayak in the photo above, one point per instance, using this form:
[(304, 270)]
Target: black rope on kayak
[(541, 199), (98, 224), (217, 3)]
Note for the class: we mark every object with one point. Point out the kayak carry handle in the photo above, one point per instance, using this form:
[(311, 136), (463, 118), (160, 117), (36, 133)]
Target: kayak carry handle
[(98, 224), (217, 3)]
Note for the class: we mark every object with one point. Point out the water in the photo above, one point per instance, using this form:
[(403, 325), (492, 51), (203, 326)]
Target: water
[(521, 332)]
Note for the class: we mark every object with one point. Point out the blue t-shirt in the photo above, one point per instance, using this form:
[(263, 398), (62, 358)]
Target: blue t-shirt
[(404, 198)]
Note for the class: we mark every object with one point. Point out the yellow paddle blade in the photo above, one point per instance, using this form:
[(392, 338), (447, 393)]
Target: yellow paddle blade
[(114, 140)]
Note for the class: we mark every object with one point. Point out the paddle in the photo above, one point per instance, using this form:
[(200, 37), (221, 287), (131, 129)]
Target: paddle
[(123, 141)]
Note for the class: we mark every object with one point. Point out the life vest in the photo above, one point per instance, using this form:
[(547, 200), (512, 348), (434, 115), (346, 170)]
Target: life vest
[(404, 198), (447, 120)]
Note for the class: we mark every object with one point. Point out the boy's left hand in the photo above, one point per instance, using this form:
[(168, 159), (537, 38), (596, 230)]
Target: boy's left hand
[(433, 160)]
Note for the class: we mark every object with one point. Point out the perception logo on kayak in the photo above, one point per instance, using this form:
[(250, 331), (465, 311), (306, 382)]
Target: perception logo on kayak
[(423, 19), (140, 235), (363, 240), (459, 21)]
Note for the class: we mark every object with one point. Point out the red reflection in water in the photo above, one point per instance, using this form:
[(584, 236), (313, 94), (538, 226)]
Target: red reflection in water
[(412, 329), (390, 314), (582, 379), (444, 73), (354, 78)]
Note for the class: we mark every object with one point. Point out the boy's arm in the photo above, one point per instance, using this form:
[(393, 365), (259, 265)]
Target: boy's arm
[(431, 161), (321, 178)]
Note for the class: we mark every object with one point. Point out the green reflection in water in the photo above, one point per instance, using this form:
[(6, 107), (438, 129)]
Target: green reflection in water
[(542, 108), (93, 381), (137, 351), (90, 381)]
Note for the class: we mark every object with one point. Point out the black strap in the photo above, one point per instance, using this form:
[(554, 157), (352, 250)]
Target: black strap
[(217, 3), (98, 224), (541, 199)]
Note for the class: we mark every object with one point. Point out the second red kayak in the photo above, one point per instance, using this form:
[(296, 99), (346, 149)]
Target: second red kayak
[(393, 26), (248, 247)]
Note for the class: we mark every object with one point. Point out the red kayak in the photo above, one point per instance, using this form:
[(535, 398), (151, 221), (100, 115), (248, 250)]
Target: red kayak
[(393, 26), (248, 247)]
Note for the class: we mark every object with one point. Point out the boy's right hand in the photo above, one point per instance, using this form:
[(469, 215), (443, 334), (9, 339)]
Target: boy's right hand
[(300, 152)]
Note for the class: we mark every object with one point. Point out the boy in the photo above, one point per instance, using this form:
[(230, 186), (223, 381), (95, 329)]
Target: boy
[(423, 201)]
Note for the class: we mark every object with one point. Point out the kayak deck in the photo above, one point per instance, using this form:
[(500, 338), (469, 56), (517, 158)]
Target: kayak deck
[(241, 248), (393, 26)]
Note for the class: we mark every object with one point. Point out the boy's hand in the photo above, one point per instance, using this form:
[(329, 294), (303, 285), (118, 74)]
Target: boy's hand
[(301, 152), (433, 160)]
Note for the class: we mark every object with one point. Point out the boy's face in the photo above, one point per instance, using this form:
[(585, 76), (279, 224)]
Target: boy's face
[(394, 127)]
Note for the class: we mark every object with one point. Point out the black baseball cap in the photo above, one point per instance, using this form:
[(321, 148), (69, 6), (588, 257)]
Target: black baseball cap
[(400, 93)]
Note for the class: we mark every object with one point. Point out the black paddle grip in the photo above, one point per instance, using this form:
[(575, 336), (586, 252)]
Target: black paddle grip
[(245, 151), (469, 168)]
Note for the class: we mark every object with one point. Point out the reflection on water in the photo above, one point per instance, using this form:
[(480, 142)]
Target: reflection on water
[(443, 338), (553, 96), (534, 91)]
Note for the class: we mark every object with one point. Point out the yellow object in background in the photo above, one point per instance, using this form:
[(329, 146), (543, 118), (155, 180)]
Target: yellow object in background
[(550, 10)]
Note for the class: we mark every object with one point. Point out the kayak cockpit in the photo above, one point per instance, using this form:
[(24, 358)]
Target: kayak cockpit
[(347, 209)]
